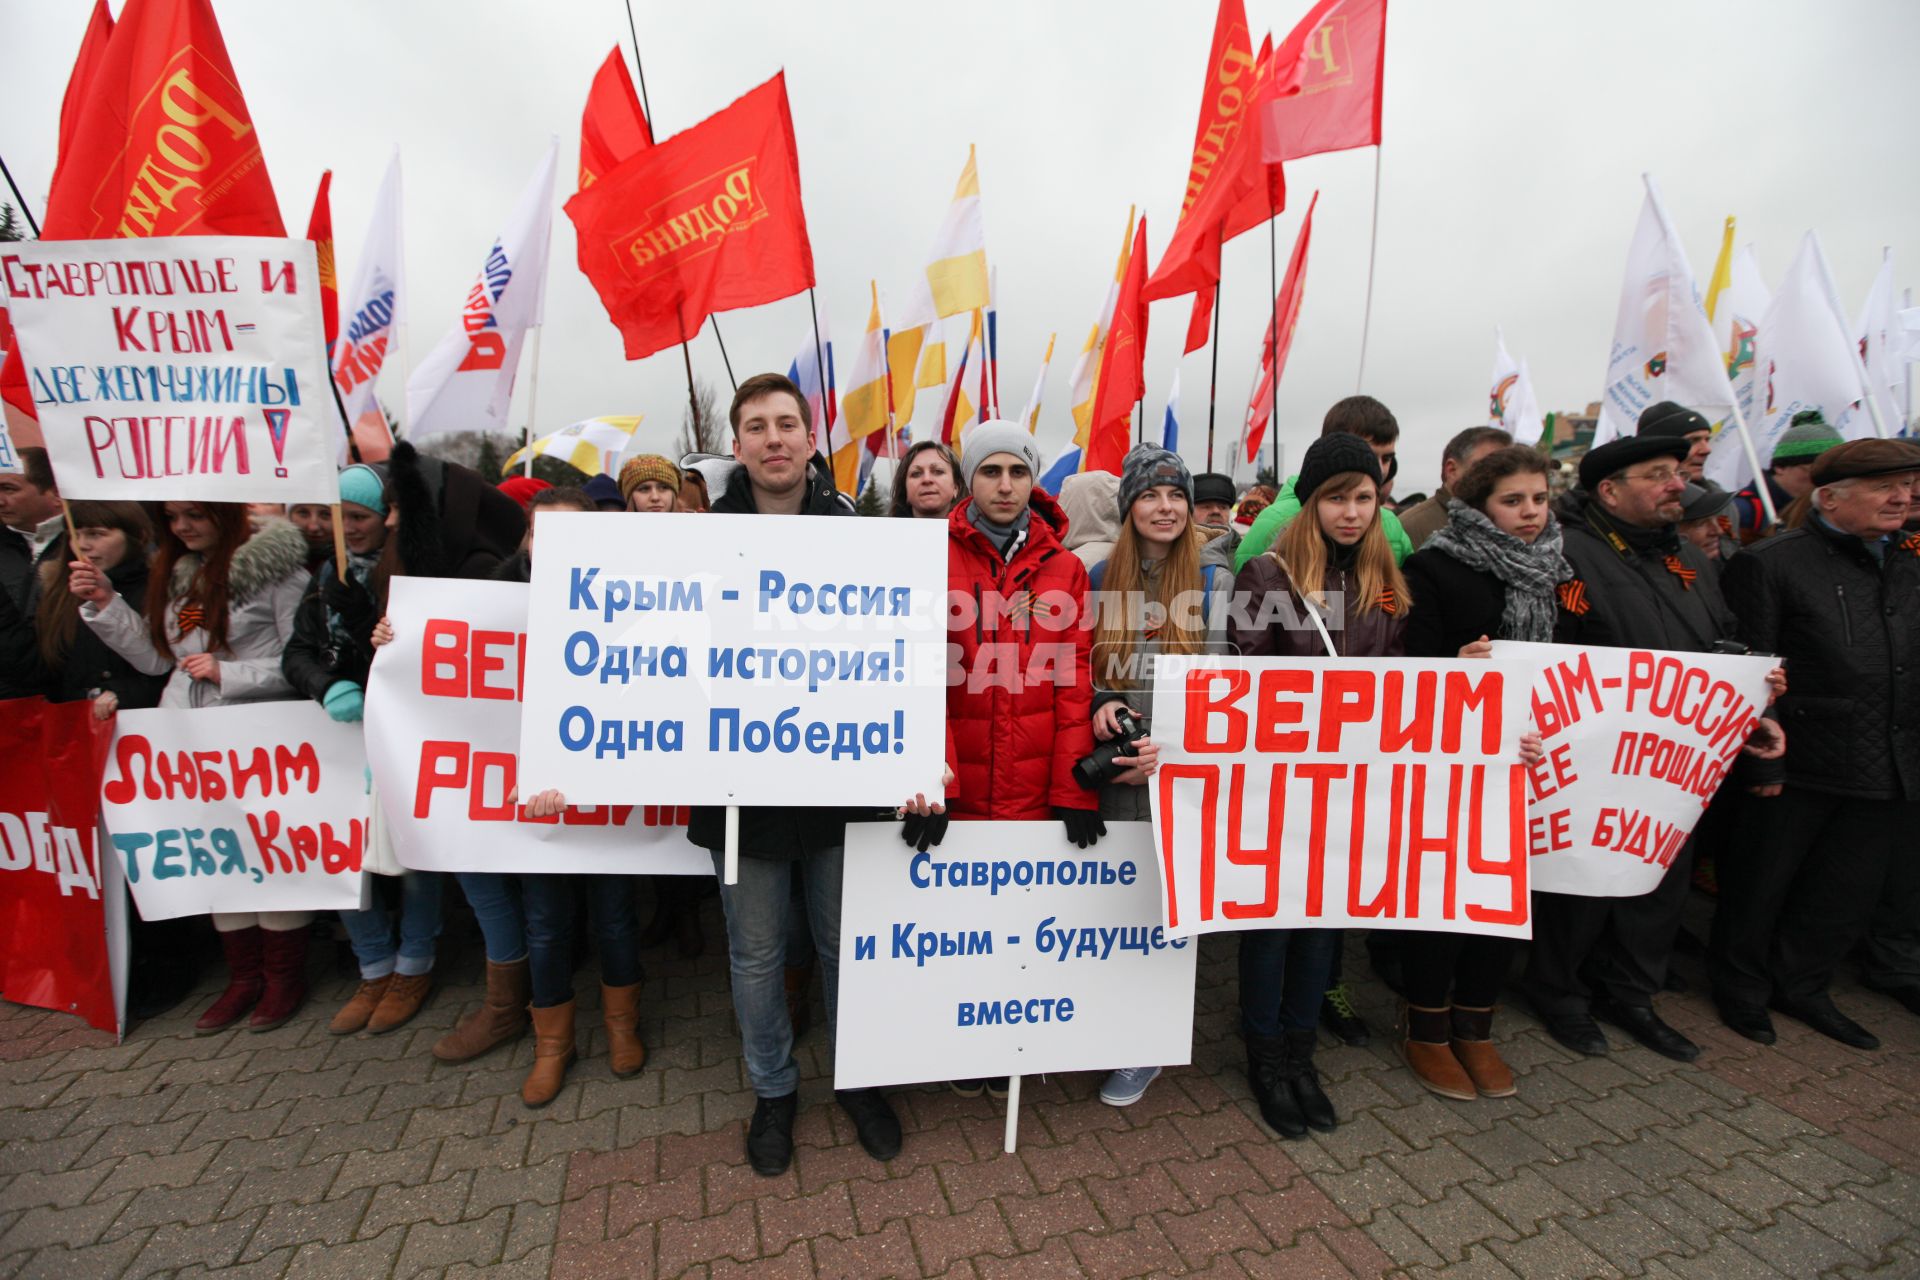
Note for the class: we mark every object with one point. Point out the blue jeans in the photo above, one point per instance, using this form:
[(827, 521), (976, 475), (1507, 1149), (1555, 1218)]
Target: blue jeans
[(495, 900), (550, 906), (1283, 978), (372, 931), (756, 911)]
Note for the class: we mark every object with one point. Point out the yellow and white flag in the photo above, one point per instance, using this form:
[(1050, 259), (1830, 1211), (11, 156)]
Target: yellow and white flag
[(1086, 368), (1031, 414), (864, 409), (954, 282), (593, 445)]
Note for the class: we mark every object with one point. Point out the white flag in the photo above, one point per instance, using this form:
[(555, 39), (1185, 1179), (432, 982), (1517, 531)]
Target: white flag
[(370, 318), (1801, 362), (1663, 348), (1511, 404), (1736, 325), (466, 382), (1883, 346)]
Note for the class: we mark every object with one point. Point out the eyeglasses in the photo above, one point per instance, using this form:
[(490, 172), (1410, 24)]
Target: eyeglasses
[(1659, 475)]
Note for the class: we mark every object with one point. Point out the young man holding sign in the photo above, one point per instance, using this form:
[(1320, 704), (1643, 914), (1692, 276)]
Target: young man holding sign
[(1635, 585), (773, 442)]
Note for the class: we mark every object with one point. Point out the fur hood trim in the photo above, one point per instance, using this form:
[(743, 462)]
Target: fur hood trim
[(262, 560)]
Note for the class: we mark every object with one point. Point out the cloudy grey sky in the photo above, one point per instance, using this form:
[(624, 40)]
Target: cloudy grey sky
[(1515, 132)]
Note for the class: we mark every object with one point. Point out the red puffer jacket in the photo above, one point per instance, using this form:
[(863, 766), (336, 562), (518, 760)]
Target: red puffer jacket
[(1020, 691)]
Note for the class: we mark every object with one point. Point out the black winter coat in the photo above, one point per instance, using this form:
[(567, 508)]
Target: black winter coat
[(1848, 629), (315, 657), (789, 831), (1453, 604), (90, 666), (21, 675), (1661, 596)]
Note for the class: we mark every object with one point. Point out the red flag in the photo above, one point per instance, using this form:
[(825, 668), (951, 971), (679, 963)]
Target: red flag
[(93, 46), (86, 64), (1325, 92), (164, 144), (709, 220), (613, 127), (1122, 377), (1279, 336), (1228, 189), (320, 231)]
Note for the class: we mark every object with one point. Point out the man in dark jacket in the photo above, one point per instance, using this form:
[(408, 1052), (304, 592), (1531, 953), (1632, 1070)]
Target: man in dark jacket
[(1839, 600), (30, 535), (1636, 584), (773, 442)]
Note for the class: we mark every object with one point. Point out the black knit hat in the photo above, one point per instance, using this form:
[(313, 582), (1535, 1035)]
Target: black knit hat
[(1334, 455), (1670, 419)]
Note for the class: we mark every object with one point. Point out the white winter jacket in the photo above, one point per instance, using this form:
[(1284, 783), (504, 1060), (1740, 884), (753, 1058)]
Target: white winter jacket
[(265, 582)]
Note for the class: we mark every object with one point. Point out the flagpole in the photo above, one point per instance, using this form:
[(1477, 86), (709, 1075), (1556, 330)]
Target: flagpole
[(1906, 414), (634, 32), (715, 322), (1273, 334), (1213, 382), (693, 397), (19, 199), (533, 400), (820, 364), (1373, 246)]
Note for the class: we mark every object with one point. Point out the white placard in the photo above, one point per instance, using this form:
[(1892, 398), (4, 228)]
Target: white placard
[(443, 727), (1006, 950), (178, 367), (735, 660), (255, 807), (1320, 793), (1638, 741)]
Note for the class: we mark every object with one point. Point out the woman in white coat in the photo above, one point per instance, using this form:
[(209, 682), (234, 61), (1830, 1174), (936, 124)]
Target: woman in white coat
[(220, 606)]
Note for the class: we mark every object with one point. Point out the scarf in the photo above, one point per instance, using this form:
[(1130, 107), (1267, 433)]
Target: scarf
[(1529, 571), (1006, 538)]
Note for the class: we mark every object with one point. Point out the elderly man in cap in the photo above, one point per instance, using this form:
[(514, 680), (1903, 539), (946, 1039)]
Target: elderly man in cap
[(1839, 600), (1677, 422), (1702, 506), (1213, 497), (1636, 584)]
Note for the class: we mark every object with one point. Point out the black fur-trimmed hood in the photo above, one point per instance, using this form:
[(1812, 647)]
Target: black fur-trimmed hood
[(262, 560), (453, 524)]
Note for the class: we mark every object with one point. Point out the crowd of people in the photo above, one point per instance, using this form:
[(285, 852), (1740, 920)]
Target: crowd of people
[(196, 604)]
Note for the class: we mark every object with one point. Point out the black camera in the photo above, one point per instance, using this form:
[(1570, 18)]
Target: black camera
[(1099, 767)]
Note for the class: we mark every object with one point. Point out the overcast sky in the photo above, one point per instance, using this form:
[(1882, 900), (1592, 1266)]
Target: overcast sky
[(1515, 136)]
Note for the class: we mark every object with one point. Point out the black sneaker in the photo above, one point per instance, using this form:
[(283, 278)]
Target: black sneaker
[(873, 1121), (770, 1135), (1338, 1015), (996, 1087)]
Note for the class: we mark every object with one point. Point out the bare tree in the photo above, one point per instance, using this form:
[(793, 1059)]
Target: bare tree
[(707, 433)]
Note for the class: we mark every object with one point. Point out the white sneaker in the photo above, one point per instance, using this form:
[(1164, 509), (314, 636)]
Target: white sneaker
[(1127, 1085)]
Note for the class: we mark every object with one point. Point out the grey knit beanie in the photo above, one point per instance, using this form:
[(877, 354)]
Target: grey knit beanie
[(1149, 465), (998, 436)]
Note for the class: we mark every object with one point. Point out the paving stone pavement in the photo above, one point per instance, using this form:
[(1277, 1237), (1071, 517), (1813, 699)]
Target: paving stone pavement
[(295, 1153)]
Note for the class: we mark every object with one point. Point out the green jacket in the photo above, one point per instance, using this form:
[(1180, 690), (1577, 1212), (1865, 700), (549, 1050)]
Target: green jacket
[(1269, 523)]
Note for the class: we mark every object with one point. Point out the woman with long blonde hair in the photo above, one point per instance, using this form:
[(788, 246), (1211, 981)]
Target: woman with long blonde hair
[(1328, 587)]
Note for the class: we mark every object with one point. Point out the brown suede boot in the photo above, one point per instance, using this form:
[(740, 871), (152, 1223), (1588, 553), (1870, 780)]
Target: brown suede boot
[(359, 1008), (404, 997), (500, 1018), (1433, 1063), (553, 1053), (620, 1008), (1473, 1050)]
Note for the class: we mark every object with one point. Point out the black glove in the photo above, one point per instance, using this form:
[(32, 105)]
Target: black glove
[(1084, 826), (351, 602), (923, 830)]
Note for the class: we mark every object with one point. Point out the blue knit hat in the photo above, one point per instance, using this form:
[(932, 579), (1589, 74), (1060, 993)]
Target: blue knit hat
[(362, 486)]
